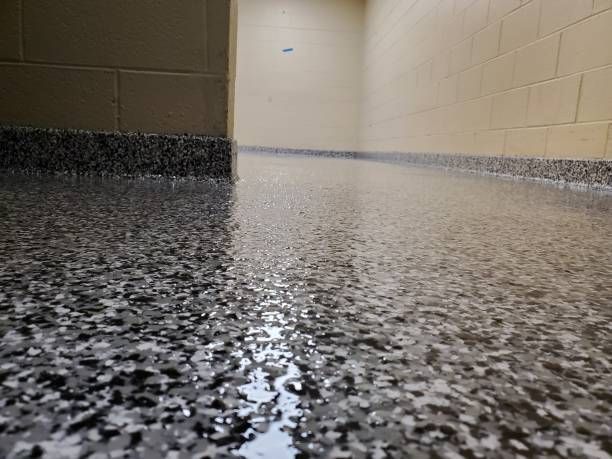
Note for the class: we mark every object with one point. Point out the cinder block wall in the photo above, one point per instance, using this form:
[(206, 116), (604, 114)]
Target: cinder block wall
[(498, 77), (156, 66), (308, 97)]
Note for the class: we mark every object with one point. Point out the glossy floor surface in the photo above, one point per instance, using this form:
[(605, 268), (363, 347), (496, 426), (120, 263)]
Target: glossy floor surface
[(317, 308)]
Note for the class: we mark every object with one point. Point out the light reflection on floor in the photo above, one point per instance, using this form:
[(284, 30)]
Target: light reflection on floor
[(270, 436)]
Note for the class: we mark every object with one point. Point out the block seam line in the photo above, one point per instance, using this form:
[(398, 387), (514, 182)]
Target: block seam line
[(558, 63), (117, 100), (21, 32), (608, 144), (540, 16), (206, 62), (580, 83), (94, 67)]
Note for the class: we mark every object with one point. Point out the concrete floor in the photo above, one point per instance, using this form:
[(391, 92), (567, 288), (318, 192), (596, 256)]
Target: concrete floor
[(318, 308)]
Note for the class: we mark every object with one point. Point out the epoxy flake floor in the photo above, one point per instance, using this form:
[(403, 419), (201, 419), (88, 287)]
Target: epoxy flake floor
[(317, 308)]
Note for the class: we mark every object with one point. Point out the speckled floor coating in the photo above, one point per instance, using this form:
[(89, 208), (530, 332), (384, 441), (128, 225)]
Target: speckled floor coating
[(317, 308)]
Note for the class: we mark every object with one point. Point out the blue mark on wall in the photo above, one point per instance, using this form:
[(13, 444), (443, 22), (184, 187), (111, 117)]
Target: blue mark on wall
[(288, 50)]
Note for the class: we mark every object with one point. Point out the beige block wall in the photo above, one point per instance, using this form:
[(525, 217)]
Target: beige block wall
[(308, 98), (502, 77), (161, 66), (498, 77)]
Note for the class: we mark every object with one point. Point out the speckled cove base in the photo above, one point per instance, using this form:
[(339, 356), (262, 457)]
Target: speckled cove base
[(591, 173), (74, 152)]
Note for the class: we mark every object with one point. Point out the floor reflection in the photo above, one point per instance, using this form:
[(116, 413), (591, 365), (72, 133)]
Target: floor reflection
[(273, 409)]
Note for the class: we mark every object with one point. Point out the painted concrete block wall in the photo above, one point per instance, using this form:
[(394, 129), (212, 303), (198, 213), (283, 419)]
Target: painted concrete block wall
[(308, 97), (158, 66), (498, 77)]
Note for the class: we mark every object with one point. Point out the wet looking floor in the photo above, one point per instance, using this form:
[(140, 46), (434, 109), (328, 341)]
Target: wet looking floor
[(318, 308)]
